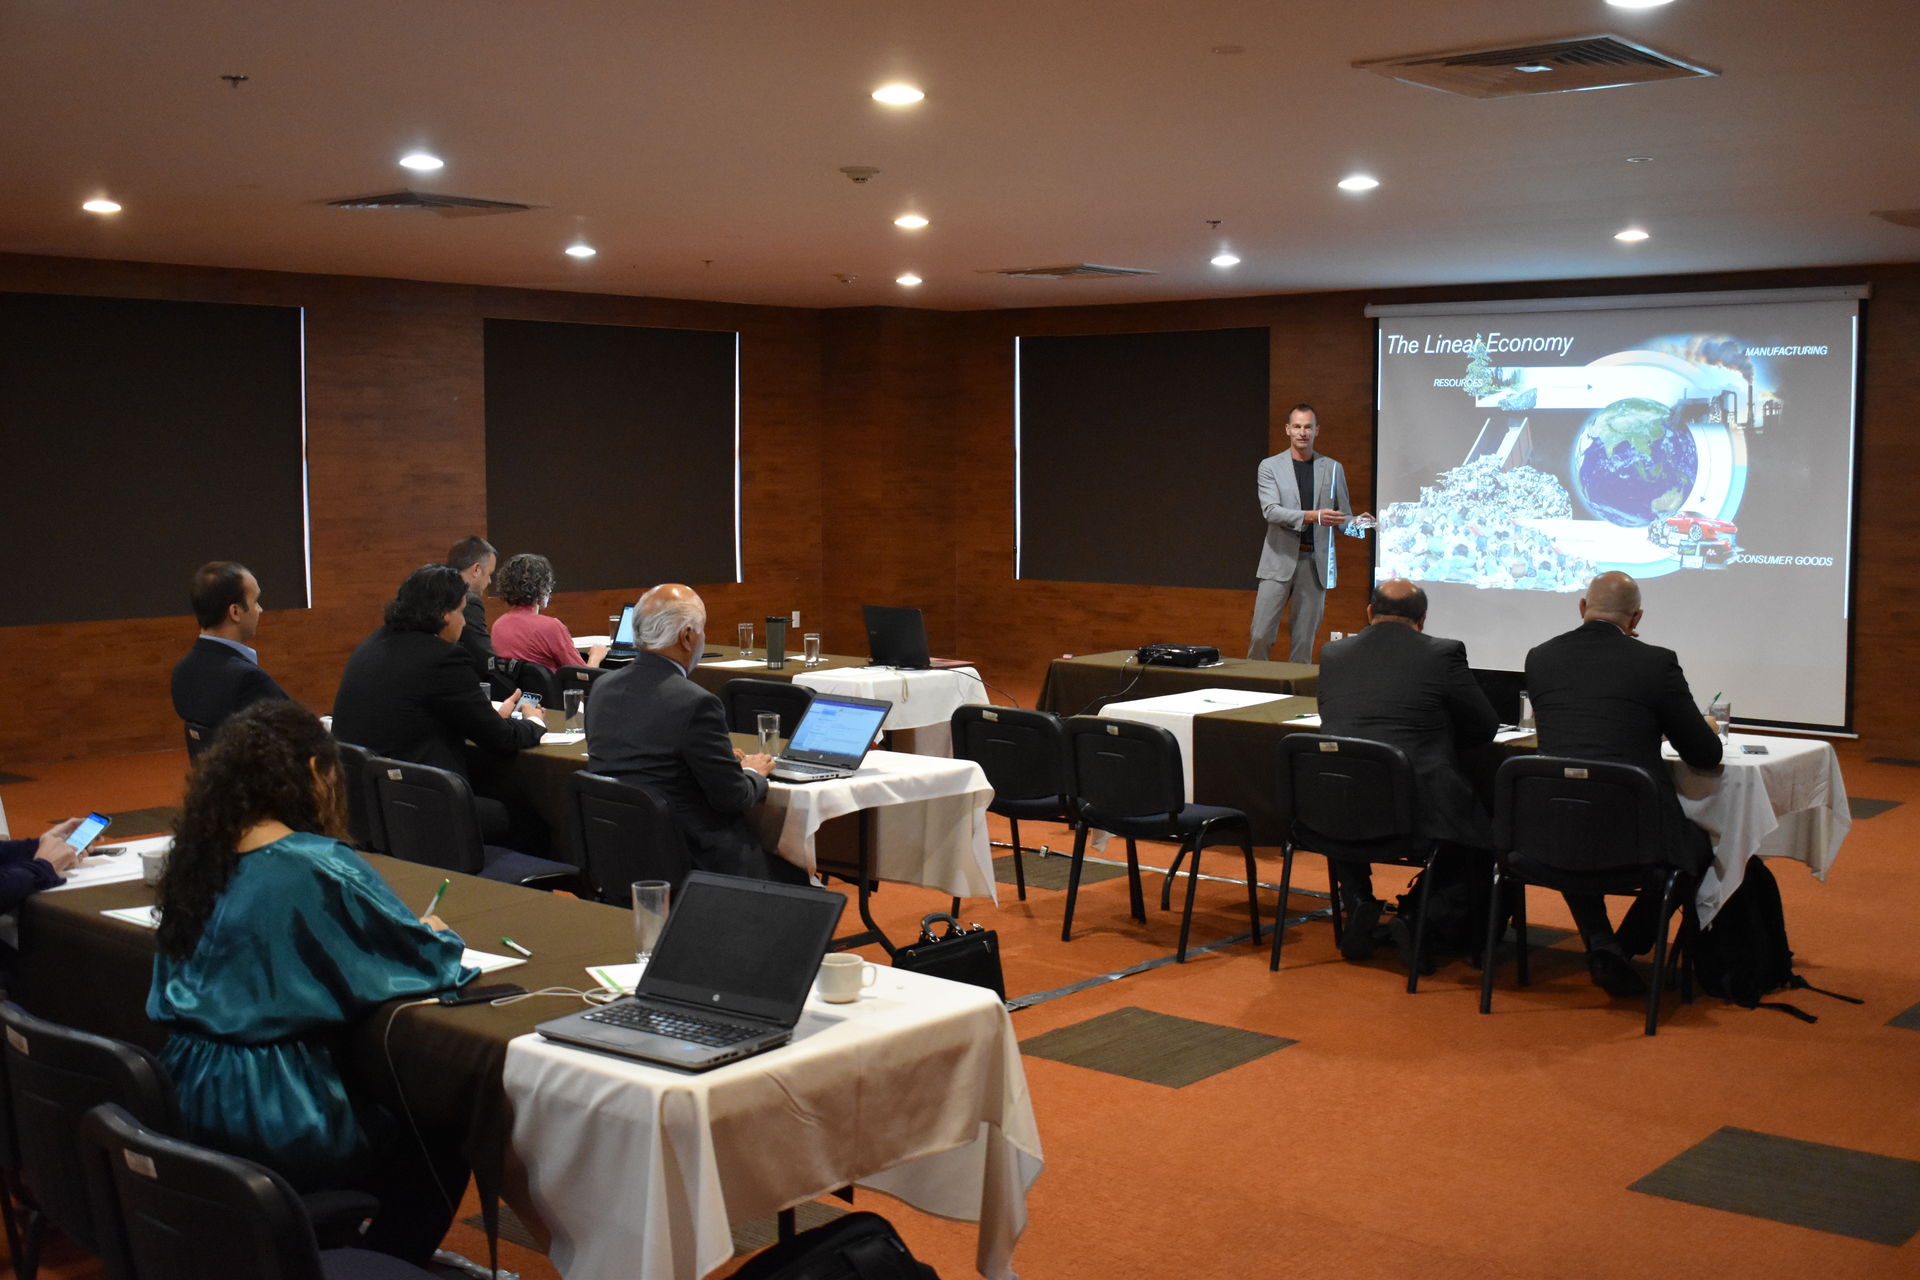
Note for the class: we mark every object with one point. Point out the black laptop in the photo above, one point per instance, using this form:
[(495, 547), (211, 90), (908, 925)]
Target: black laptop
[(728, 978), (897, 637), (620, 643)]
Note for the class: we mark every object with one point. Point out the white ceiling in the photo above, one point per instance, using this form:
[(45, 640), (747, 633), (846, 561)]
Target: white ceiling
[(697, 143)]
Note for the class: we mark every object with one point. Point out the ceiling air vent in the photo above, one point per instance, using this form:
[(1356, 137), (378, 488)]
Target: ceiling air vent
[(1549, 66), (1074, 271), (445, 206)]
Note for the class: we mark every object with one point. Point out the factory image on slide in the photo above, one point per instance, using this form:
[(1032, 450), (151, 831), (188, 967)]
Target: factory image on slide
[(1636, 461)]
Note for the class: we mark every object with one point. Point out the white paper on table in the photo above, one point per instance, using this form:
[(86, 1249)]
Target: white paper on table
[(560, 736), (145, 917), (1512, 735), (484, 961), (1310, 718), (121, 866), (620, 979), (584, 643), (739, 662)]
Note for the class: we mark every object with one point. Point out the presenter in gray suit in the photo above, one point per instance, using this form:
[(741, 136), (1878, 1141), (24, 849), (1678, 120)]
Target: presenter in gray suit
[(650, 725), (1303, 499)]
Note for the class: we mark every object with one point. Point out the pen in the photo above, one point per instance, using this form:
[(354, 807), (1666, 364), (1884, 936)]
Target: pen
[(438, 894), (511, 944)]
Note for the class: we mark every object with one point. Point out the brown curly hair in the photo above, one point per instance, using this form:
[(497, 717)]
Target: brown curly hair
[(525, 579), (274, 761)]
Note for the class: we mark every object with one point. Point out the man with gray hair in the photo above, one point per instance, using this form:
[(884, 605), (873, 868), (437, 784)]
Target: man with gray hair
[(650, 725)]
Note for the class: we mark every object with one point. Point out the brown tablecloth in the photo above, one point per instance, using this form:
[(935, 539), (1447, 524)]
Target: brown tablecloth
[(86, 970), (1083, 685)]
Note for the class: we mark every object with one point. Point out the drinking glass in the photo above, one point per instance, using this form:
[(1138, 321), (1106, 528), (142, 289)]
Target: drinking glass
[(810, 648), (746, 639), (1721, 709), (649, 916), (768, 725), (575, 701), (1526, 712)]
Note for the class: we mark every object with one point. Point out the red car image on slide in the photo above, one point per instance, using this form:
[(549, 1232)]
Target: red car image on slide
[(1691, 526)]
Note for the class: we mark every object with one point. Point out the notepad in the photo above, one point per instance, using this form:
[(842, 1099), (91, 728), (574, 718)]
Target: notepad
[(487, 961), (145, 917), (620, 979), (562, 736)]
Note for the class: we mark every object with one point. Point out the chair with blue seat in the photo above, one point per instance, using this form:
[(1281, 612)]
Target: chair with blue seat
[(1024, 755), (1579, 826), (172, 1210), (1127, 780), (428, 816), (1350, 800)]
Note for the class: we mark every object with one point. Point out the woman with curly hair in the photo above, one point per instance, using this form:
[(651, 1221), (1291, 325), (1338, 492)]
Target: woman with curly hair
[(526, 584), (274, 939)]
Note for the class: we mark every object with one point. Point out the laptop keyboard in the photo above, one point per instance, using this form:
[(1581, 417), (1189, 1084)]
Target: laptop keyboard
[(675, 1025)]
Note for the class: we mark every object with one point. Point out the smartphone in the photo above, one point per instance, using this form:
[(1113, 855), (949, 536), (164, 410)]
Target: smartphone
[(530, 701), (480, 994), (1753, 748), (89, 831)]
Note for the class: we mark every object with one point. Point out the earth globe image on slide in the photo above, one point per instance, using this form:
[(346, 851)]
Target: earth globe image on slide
[(1630, 467)]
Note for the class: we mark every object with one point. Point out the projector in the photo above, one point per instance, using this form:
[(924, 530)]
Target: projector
[(1177, 655)]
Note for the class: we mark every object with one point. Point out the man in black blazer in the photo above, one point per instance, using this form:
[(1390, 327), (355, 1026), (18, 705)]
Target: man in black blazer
[(221, 673), (1601, 694), (409, 691), (474, 560), (650, 725), (1393, 683)]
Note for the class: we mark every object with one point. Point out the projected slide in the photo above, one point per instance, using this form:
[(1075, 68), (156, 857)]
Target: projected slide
[(1706, 450)]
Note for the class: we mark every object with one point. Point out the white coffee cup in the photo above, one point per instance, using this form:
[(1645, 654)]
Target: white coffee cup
[(843, 976), (152, 863)]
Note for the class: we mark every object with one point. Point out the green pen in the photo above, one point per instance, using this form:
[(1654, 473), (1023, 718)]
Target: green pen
[(438, 894), (514, 946)]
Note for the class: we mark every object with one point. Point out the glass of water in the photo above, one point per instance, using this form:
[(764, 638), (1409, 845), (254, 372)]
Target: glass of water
[(575, 701), (767, 723), (1721, 709), (810, 648), (649, 916), (746, 639), (1526, 712)]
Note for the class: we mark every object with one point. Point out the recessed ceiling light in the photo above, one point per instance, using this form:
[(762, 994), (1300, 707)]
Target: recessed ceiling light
[(908, 279), (101, 206), (911, 221), (1630, 235), (1638, 4), (421, 162), (581, 251), (1225, 260), (897, 95), (1358, 182)]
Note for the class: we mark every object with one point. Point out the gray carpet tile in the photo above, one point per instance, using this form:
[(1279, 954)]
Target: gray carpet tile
[(1803, 1184), (1862, 808), (1051, 872), (1155, 1048), (752, 1237), (1905, 762), (1907, 1018), (6, 777)]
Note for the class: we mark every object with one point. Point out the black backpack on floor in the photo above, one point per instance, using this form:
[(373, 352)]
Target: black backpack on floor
[(858, 1246), (1744, 955)]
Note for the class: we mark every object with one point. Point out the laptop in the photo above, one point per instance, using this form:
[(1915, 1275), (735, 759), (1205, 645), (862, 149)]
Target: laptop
[(728, 978), (620, 644), (832, 738), (897, 637)]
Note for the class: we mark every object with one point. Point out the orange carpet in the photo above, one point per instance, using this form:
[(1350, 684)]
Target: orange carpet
[(1400, 1134)]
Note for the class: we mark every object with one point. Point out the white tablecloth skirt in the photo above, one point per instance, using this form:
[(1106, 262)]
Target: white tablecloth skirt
[(923, 701)]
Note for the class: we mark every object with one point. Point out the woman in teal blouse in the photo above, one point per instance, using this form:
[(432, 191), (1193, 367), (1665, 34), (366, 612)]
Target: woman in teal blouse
[(275, 938)]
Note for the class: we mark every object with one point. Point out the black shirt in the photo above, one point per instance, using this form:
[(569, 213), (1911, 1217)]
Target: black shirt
[(1303, 477)]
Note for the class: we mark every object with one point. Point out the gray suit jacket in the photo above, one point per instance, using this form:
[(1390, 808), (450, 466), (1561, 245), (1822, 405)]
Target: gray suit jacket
[(1393, 684), (649, 725), (1284, 512)]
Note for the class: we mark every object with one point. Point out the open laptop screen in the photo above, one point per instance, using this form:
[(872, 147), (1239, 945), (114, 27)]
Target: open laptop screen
[(835, 728), (623, 634), (741, 947)]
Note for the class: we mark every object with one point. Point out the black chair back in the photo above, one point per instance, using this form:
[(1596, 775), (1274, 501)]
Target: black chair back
[(183, 1212), (1349, 797), (363, 816), (54, 1076), (625, 835), (1560, 817), (504, 675), (199, 738), (575, 677), (1023, 753), (427, 815), (1124, 770), (745, 698)]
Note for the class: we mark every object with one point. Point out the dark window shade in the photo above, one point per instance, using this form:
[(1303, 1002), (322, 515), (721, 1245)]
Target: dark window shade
[(610, 450), (1138, 457), (139, 440)]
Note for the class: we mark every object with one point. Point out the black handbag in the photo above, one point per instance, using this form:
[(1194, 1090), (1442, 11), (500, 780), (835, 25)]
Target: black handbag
[(959, 955)]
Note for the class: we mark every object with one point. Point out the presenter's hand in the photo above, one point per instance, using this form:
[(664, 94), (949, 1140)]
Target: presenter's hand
[(596, 654), (1326, 516), (761, 764)]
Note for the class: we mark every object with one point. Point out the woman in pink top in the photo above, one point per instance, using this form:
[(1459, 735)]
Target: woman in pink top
[(526, 583)]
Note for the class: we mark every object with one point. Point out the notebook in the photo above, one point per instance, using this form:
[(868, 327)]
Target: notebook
[(832, 738), (728, 978), (898, 638)]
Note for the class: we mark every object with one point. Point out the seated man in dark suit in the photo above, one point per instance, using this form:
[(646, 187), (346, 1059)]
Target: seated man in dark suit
[(409, 692), (650, 725), (1393, 683), (221, 673), (1600, 694), (474, 560)]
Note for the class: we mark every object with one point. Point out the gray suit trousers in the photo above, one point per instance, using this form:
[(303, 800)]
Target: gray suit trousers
[(1309, 603)]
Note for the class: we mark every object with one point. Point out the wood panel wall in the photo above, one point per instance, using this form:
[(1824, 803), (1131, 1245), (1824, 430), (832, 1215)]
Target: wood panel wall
[(878, 465)]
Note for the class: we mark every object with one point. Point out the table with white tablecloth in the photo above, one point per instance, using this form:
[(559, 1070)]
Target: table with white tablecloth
[(923, 700), (916, 1089), (928, 817), (1174, 712)]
